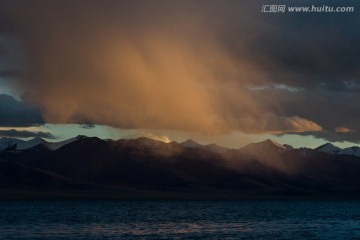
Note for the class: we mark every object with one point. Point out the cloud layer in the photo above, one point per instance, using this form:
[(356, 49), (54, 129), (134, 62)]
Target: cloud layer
[(13, 133), (187, 65)]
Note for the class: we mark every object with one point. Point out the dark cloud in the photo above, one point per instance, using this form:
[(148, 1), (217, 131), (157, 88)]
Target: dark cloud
[(10, 73), (318, 56), (25, 134), (14, 113), (190, 65), (329, 136), (333, 136), (2, 50)]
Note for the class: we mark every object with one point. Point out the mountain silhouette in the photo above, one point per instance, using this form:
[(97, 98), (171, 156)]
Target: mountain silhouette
[(145, 167)]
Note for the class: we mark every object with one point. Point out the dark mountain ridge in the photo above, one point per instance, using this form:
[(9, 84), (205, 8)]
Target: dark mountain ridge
[(145, 167)]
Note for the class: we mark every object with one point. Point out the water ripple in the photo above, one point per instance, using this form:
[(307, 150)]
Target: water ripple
[(180, 220)]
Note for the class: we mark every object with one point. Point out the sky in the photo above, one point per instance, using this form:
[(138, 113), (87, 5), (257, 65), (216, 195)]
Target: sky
[(215, 71)]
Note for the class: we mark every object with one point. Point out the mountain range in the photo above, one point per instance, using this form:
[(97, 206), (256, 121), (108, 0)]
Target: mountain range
[(89, 167)]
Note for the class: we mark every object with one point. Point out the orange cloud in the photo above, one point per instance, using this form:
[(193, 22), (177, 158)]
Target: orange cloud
[(343, 130), (301, 125), (269, 123), (146, 65)]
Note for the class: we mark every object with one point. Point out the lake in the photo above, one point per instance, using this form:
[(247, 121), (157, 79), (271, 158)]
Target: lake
[(180, 220)]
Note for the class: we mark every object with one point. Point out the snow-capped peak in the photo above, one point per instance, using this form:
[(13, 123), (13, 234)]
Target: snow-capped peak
[(350, 151), (328, 148), (12, 144)]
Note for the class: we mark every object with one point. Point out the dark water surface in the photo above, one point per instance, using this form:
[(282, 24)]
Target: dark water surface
[(180, 220)]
